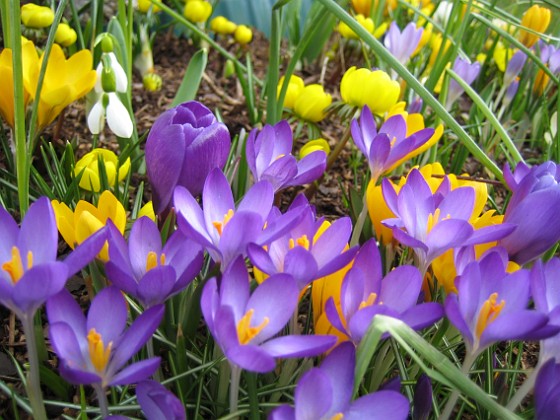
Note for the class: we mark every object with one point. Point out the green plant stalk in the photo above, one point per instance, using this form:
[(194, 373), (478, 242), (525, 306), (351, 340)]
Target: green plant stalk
[(524, 389), (479, 102), (6, 32), (32, 131), (34, 380), (273, 67), (202, 35), (415, 85), (448, 409)]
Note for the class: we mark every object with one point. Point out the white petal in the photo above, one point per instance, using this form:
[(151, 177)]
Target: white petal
[(118, 117), (120, 75), (96, 118)]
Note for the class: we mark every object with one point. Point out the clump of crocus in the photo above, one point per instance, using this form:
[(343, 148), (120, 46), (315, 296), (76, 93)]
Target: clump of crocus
[(325, 392), (88, 167), (35, 16), (360, 87), (402, 44), (536, 18), (532, 207), (78, 225), (312, 102), (468, 72), (65, 35), (269, 157), (223, 228), (243, 34), (145, 269), (197, 11), (184, 145), (390, 146), (95, 350), (111, 81), (366, 293)]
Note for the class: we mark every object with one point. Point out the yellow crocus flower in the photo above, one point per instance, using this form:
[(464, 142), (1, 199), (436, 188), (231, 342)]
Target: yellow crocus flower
[(312, 103), (66, 80), (295, 86), (88, 166), (536, 18), (78, 225)]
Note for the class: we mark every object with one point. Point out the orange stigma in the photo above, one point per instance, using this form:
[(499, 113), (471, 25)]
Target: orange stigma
[(98, 353), (14, 267), (488, 313), (244, 330), (152, 260), (221, 225)]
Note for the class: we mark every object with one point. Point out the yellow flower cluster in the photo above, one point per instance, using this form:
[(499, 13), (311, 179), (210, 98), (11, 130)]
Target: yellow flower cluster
[(88, 167), (308, 102), (242, 34)]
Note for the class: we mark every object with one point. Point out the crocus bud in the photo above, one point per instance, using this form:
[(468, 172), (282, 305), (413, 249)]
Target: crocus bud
[(152, 82), (422, 404), (34, 16), (536, 18), (312, 103), (375, 89), (184, 145), (222, 26), (65, 35), (197, 11), (243, 34), (533, 208)]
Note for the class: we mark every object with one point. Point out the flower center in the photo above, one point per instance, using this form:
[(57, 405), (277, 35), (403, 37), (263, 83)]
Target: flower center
[(302, 241), (337, 416), (14, 267), (369, 301), (244, 330), (488, 313), (433, 219), (152, 260), (221, 225), (98, 353)]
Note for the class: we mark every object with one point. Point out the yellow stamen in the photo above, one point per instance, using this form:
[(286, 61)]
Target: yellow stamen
[(14, 267), (302, 241), (98, 353), (337, 416), (433, 218), (369, 301), (488, 313), (221, 225), (244, 330), (152, 260), (281, 155)]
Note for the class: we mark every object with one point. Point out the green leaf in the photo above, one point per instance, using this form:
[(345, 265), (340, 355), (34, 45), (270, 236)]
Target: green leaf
[(191, 79)]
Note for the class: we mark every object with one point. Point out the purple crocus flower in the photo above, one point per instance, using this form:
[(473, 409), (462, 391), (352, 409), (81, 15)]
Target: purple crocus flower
[(491, 305), (244, 324), (146, 270), (184, 145), (514, 67), (402, 44), (95, 350), (312, 249), (325, 392), (533, 208), (433, 223), (550, 55), (547, 392), (30, 273), (159, 403), (221, 228), (385, 148), (545, 286), (366, 293), (468, 72), (269, 156)]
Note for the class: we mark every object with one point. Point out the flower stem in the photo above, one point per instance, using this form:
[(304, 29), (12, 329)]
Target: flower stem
[(524, 389), (102, 400), (448, 410), (234, 388), (33, 379), (338, 148), (151, 354)]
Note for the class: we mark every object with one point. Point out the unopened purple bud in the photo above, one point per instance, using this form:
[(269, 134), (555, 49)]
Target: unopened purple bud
[(422, 403), (416, 106), (510, 92), (514, 67)]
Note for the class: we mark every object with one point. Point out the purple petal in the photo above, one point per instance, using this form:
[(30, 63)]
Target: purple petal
[(144, 238), (458, 204), (333, 316), (66, 345), (380, 405), (156, 285), (332, 241), (157, 402), (394, 127), (234, 289), (64, 309), (518, 325), (339, 366), (39, 233), (260, 259), (310, 168), (447, 234), (299, 345), (190, 217), (400, 288), (456, 318), (217, 198), (280, 172), (122, 279), (258, 200), (301, 265), (10, 231), (423, 315), (77, 376), (251, 358), (242, 229), (85, 252), (284, 412), (108, 301), (314, 395), (209, 303), (136, 372)]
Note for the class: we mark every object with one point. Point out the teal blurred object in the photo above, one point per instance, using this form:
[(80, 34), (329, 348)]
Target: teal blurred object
[(255, 13)]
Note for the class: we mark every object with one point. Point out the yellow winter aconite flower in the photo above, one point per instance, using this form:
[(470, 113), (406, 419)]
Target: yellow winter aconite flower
[(197, 11), (502, 55), (348, 33), (78, 225), (35, 16), (89, 164), (375, 89), (65, 35), (66, 80), (536, 18), (312, 103), (243, 34), (314, 145), (30, 64), (295, 87), (144, 6), (222, 25)]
